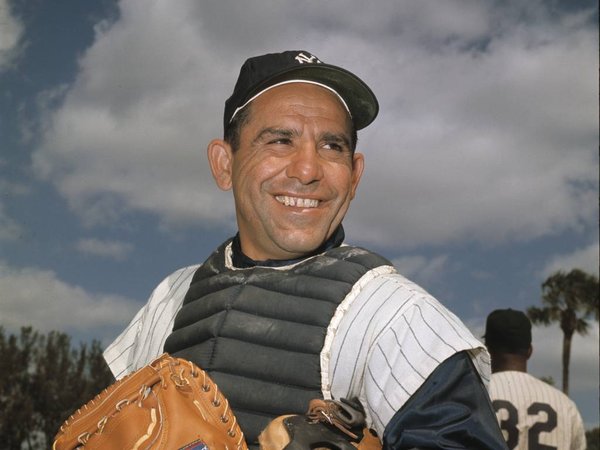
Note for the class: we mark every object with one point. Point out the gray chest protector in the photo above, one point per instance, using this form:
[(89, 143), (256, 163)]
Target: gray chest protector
[(259, 331)]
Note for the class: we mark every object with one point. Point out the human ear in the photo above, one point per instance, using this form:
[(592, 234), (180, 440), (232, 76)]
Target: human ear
[(220, 158), (358, 165)]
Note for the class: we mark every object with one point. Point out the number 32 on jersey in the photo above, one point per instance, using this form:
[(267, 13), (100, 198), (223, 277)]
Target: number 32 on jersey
[(510, 425)]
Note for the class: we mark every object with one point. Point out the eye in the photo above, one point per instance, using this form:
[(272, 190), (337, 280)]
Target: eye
[(334, 146), (280, 141)]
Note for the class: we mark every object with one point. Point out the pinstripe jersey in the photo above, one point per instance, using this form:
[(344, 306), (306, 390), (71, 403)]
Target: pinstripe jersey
[(383, 341), (534, 415)]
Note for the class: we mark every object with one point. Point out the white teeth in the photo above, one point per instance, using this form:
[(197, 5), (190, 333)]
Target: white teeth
[(299, 202)]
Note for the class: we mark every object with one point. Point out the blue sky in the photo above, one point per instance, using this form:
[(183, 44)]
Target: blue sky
[(481, 169)]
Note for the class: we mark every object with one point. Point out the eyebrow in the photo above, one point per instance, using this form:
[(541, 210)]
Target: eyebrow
[(274, 132)]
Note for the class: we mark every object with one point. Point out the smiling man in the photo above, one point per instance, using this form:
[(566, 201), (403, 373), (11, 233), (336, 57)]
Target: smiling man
[(294, 173), (284, 312)]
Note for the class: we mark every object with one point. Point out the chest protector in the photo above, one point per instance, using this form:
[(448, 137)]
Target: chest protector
[(259, 331)]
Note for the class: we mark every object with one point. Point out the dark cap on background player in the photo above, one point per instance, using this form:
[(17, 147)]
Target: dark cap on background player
[(264, 72), (509, 331)]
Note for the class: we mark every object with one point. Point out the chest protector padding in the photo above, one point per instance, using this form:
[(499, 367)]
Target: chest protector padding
[(259, 331)]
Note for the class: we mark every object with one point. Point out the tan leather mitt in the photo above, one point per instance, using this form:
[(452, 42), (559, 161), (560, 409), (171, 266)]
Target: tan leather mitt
[(168, 404), (328, 424)]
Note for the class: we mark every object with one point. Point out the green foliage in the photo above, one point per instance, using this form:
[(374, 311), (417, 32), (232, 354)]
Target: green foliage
[(593, 439), (548, 380), (571, 300), (43, 380)]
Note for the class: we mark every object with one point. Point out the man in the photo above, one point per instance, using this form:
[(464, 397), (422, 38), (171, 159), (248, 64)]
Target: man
[(284, 312), (532, 414)]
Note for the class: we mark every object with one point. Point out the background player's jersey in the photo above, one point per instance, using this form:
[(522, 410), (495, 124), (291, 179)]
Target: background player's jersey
[(534, 415)]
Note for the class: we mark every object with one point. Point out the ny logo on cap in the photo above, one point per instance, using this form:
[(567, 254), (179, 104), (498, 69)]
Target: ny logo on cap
[(302, 58)]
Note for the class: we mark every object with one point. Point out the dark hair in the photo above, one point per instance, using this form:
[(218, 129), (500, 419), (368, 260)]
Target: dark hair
[(500, 347), (353, 137), (234, 129)]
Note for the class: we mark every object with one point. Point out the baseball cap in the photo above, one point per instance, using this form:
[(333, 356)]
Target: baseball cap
[(508, 330), (264, 72)]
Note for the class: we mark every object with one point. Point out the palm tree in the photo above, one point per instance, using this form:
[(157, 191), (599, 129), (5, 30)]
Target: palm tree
[(571, 299)]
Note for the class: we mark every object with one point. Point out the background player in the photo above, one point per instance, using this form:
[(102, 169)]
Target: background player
[(533, 415)]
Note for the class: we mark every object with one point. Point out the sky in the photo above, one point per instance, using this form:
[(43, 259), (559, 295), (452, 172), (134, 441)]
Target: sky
[(481, 173)]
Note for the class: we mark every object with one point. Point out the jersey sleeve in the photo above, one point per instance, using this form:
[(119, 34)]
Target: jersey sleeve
[(143, 339), (392, 336)]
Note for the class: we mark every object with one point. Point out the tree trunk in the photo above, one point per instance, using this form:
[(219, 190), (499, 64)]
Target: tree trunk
[(566, 358), (568, 324)]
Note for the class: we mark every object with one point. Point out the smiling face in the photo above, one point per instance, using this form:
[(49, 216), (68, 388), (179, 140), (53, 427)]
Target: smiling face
[(293, 175)]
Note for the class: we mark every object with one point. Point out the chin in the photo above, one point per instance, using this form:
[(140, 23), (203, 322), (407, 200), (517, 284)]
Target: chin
[(299, 247)]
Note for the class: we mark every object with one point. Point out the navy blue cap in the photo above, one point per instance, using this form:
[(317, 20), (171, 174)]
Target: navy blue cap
[(262, 72), (508, 330)]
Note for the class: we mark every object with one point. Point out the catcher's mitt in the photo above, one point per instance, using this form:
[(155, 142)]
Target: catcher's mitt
[(328, 424), (169, 404)]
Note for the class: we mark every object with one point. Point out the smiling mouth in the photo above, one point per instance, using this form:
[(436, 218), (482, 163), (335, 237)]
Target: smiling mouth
[(297, 201)]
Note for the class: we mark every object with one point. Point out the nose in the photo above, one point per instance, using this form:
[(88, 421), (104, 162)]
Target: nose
[(305, 164)]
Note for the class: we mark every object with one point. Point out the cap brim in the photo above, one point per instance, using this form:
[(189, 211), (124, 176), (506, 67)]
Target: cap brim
[(361, 101)]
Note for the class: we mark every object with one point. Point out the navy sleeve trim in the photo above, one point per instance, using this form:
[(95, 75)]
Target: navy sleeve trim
[(451, 410)]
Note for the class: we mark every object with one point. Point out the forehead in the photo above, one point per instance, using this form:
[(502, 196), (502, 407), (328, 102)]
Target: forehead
[(309, 100)]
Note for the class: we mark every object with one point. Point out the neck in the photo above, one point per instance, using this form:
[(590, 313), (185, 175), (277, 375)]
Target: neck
[(502, 362), (240, 260)]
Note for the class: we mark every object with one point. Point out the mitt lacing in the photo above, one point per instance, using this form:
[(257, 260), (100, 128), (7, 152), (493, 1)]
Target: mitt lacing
[(217, 400), (334, 413)]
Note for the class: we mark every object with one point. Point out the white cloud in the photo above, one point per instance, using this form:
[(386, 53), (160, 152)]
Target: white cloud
[(38, 298), (547, 354), (105, 248), (11, 32), (585, 259), (486, 145), (423, 270), (488, 127), (132, 132)]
